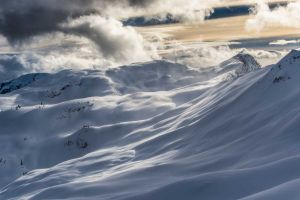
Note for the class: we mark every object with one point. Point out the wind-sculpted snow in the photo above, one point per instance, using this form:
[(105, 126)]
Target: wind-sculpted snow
[(157, 130)]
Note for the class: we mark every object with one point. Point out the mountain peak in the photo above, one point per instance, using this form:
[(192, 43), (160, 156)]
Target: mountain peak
[(249, 63), (286, 68), (239, 65), (291, 58)]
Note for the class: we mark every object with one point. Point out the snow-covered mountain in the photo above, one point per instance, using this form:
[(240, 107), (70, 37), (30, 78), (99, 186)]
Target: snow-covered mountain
[(156, 130)]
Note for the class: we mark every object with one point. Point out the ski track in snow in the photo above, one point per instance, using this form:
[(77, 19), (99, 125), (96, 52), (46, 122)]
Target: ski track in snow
[(156, 130)]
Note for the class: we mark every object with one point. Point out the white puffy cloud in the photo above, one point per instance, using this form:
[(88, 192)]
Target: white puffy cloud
[(263, 16), (114, 41)]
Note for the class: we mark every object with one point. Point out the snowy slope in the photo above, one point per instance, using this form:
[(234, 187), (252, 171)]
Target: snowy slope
[(156, 130)]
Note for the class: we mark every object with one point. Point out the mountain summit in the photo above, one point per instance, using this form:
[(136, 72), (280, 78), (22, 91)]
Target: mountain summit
[(238, 65)]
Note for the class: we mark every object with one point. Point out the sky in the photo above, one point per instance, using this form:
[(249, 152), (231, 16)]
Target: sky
[(55, 34)]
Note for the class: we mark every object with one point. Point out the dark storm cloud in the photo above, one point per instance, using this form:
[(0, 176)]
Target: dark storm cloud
[(20, 25), (141, 3), (20, 19)]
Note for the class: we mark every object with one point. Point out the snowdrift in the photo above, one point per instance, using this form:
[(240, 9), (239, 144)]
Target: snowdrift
[(155, 130)]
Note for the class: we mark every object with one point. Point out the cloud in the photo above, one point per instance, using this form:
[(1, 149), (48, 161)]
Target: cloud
[(15, 67), (206, 55), (21, 19), (263, 16), (96, 20), (71, 52), (200, 56), (284, 42), (114, 41)]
